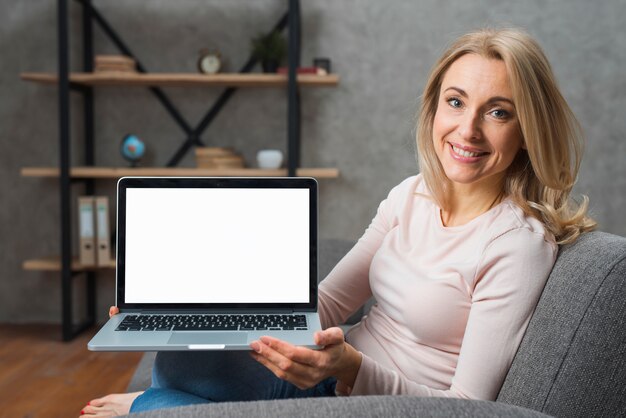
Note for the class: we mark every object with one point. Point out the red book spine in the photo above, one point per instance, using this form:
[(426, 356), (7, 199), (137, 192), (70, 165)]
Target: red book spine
[(299, 70)]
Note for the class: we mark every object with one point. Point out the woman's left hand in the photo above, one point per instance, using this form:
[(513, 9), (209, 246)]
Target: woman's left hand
[(305, 367)]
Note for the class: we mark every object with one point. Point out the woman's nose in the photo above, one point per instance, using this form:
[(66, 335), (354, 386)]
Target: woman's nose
[(469, 126)]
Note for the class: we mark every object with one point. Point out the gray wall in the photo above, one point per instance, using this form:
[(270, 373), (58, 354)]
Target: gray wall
[(382, 51)]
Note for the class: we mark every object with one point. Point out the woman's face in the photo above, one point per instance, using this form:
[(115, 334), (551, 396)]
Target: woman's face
[(476, 133)]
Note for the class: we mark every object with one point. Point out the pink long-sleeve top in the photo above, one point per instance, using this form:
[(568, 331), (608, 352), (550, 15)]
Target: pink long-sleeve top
[(452, 302)]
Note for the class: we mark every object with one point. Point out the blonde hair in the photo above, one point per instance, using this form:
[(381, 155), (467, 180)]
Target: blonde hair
[(541, 177)]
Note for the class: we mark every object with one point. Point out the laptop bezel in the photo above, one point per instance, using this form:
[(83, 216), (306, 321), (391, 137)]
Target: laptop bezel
[(125, 183)]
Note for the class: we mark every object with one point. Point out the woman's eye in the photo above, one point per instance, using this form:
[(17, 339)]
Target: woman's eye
[(454, 102), (500, 114)]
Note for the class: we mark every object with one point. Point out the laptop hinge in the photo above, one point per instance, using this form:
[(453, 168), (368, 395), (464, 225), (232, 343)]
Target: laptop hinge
[(211, 311)]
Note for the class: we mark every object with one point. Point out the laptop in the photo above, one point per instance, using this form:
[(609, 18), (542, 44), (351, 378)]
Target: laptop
[(213, 264)]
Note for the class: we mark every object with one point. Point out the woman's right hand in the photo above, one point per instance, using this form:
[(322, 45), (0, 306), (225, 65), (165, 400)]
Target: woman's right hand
[(113, 310)]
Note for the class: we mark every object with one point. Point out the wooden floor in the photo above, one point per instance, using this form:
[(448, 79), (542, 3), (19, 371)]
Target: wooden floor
[(40, 376)]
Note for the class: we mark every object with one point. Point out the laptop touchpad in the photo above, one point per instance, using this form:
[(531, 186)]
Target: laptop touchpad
[(213, 337)]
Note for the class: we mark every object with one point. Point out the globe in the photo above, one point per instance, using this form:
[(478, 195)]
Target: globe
[(132, 149)]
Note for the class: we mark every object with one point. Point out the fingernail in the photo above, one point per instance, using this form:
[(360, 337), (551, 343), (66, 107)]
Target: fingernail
[(82, 412), (255, 346), (88, 403)]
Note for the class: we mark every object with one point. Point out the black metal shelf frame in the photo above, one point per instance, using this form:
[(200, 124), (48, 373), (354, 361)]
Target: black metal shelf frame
[(90, 14)]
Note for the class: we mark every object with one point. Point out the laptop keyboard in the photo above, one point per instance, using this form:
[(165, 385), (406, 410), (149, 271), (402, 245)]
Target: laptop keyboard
[(212, 322)]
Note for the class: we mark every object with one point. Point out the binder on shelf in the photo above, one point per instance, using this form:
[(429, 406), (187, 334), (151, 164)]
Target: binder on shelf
[(87, 229), (103, 251)]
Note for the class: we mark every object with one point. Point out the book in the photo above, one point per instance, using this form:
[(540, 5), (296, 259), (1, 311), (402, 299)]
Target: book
[(304, 70), (114, 59), (218, 157), (114, 63)]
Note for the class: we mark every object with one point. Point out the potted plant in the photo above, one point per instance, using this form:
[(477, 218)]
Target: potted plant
[(270, 49)]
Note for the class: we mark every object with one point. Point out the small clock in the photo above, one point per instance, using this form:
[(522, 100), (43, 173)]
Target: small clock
[(209, 61)]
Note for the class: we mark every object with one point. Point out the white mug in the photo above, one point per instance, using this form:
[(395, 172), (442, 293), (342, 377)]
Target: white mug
[(269, 158)]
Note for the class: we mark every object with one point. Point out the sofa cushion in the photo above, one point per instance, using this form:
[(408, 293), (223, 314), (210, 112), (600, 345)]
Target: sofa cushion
[(330, 252), (572, 360), (357, 406), (142, 378)]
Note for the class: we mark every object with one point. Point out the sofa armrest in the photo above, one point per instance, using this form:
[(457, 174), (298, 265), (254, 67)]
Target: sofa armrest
[(347, 407)]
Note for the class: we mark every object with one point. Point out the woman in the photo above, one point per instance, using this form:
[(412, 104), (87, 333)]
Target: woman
[(456, 257)]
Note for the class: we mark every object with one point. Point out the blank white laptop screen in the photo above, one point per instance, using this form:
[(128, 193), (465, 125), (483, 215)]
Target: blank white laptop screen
[(213, 245)]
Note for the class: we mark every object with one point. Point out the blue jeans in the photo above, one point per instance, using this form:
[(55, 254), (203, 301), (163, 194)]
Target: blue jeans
[(185, 378)]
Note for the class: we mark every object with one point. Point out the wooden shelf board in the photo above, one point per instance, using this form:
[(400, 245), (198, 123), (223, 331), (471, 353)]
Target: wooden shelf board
[(54, 264), (183, 79), (117, 172)]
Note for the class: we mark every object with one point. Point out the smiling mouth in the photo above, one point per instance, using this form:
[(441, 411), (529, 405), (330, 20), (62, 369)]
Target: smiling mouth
[(467, 154)]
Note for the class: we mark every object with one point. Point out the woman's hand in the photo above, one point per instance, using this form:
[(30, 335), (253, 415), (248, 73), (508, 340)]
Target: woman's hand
[(113, 310), (305, 367)]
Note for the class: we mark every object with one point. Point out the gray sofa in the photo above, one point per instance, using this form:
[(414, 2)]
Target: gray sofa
[(571, 362)]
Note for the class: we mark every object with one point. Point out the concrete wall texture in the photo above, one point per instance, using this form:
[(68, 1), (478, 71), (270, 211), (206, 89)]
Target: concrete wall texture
[(382, 52)]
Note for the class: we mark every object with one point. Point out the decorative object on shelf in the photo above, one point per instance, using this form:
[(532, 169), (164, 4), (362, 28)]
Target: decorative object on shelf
[(269, 158), (270, 49), (303, 70), (114, 63), (209, 61), (132, 149), (322, 64), (218, 157)]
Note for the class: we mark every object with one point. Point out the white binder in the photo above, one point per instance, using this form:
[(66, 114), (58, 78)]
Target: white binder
[(103, 252), (86, 228)]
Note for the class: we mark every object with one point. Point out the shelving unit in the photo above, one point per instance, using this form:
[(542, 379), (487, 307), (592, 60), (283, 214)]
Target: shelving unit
[(87, 173)]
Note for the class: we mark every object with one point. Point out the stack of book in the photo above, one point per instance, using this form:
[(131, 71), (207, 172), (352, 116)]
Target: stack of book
[(114, 63), (218, 157)]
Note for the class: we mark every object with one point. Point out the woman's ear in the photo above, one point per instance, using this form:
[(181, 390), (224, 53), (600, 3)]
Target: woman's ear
[(524, 147)]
